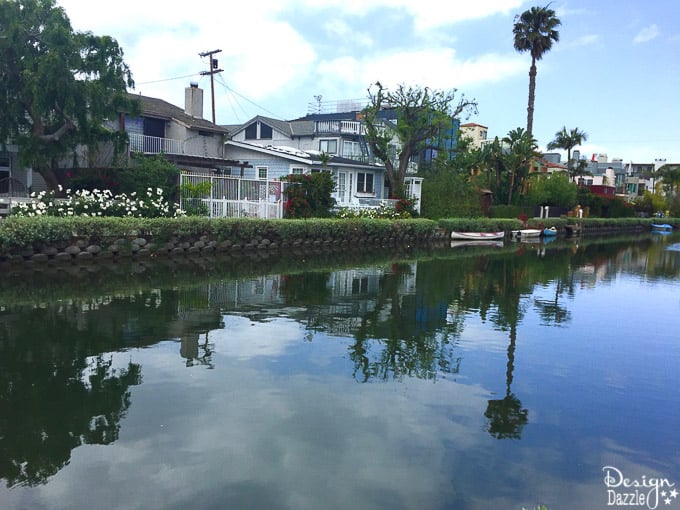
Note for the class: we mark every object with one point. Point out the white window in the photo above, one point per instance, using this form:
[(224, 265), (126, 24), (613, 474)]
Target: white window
[(364, 182), (262, 173), (328, 146), (297, 171), (351, 149)]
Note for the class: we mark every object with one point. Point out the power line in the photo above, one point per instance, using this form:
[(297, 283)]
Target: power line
[(223, 83), (167, 79)]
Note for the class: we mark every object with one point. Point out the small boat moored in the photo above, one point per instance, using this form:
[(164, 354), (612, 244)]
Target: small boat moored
[(549, 232), (662, 226), (526, 232)]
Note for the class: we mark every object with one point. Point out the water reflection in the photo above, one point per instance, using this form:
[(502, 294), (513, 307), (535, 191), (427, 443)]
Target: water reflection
[(60, 388), (506, 416)]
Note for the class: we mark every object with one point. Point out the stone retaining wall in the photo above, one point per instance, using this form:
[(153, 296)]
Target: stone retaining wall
[(82, 250)]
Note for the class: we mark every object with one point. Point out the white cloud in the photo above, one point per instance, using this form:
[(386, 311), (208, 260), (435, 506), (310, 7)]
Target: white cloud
[(436, 68), (162, 43), (426, 14), (340, 29), (585, 40), (646, 34)]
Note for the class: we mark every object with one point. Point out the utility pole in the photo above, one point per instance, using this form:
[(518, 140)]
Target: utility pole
[(214, 69)]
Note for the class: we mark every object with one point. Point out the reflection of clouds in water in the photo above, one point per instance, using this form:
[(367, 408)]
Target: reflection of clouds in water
[(243, 339), (479, 336), (245, 438), (242, 437)]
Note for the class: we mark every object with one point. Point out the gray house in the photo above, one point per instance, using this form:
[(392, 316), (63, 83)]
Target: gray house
[(271, 146), (183, 136)]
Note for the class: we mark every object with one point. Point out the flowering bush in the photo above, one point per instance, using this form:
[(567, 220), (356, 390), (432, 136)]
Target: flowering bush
[(407, 206), (101, 203), (383, 211), (308, 196)]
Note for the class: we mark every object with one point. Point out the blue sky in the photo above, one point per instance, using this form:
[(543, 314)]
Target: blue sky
[(615, 73)]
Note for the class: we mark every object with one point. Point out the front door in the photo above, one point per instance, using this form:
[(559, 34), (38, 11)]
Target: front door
[(342, 188)]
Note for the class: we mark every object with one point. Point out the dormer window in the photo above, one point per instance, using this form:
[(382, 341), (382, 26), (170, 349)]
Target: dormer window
[(251, 131), (266, 131), (259, 131)]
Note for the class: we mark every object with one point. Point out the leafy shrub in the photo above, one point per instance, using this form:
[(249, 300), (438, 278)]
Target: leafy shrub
[(308, 196), (142, 173), (448, 194), (509, 211), (18, 231), (192, 195), (604, 206)]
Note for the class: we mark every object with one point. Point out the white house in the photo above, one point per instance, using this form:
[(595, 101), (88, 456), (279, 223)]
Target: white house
[(359, 175), (357, 183)]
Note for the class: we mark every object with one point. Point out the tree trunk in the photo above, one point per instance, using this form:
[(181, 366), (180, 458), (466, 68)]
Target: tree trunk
[(50, 178), (569, 165), (498, 177), (512, 185), (532, 94)]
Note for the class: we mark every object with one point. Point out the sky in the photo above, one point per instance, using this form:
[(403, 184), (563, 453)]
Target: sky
[(614, 74)]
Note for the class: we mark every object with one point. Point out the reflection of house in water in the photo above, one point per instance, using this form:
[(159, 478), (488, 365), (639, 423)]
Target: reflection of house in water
[(357, 293), (652, 261), (230, 295), (348, 297), (588, 275)]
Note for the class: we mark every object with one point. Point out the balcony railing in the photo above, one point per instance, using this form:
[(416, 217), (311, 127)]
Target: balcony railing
[(155, 144), (347, 127)]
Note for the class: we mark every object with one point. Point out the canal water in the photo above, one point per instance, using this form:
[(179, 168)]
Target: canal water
[(467, 377)]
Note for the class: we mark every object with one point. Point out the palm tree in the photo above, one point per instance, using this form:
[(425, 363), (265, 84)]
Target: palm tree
[(535, 31), (521, 150), (567, 140), (489, 158)]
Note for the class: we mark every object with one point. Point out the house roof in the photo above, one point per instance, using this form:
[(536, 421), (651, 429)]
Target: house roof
[(158, 108), (544, 163), (472, 124), (289, 128), (307, 157)]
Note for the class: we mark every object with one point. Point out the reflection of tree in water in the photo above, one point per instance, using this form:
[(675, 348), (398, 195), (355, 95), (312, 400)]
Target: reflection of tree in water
[(52, 403), (506, 416), (58, 390), (405, 333), (550, 310), (423, 358)]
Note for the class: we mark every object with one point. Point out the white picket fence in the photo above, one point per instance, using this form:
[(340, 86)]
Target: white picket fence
[(233, 197)]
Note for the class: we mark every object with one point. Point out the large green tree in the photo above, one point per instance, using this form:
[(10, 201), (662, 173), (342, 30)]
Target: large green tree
[(424, 117), (567, 140), (59, 85), (670, 175), (553, 190), (534, 31)]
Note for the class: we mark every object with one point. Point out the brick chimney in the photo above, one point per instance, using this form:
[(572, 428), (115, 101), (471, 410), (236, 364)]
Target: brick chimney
[(193, 101)]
